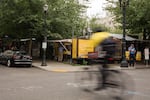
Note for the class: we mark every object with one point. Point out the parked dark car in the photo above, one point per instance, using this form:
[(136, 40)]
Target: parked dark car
[(12, 58)]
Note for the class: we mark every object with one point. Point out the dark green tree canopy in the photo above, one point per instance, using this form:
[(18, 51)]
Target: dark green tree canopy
[(25, 18), (20, 18), (137, 16)]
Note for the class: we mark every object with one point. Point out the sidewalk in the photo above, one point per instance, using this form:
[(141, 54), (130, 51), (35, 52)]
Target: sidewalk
[(55, 66)]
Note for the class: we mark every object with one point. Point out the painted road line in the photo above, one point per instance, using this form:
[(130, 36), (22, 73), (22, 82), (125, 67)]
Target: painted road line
[(59, 70)]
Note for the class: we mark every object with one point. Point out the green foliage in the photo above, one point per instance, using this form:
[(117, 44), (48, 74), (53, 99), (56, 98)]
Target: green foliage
[(85, 62), (20, 18), (137, 16), (25, 18), (66, 17)]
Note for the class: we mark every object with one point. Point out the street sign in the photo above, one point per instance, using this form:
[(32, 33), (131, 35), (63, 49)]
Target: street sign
[(44, 45)]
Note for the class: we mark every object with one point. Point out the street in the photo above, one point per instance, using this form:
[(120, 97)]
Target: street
[(59, 41), (23, 83), (34, 84)]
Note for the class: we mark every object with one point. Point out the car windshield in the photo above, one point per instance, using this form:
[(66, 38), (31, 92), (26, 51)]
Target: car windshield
[(20, 53)]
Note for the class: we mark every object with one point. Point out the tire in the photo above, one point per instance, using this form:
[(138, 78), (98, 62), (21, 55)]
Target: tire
[(9, 64), (128, 86), (87, 79), (119, 85), (30, 65)]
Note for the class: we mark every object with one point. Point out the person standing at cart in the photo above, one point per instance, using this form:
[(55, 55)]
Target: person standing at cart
[(60, 55), (132, 53)]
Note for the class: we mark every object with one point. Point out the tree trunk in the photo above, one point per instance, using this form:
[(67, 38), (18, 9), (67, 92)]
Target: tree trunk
[(144, 34)]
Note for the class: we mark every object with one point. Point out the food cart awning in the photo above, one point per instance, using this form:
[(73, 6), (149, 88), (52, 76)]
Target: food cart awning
[(120, 36), (64, 40), (27, 39)]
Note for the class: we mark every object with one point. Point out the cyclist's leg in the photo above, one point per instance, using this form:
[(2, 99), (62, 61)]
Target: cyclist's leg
[(102, 80), (100, 76), (117, 85), (105, 74), (87, 78)]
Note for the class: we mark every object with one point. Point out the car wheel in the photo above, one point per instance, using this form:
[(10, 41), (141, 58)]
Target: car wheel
[(9, 63), (30, 65)]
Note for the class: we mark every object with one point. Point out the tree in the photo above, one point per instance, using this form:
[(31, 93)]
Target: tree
[(25, 18), (137, 16), (20, 18), (66, 18)]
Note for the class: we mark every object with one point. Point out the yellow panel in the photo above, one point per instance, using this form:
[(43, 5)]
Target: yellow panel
[(85, 46), (99, 37), (74, 48), (138, 56), (127, 55)]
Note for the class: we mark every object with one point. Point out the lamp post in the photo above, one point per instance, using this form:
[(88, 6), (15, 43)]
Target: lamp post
[(123, 5), (44, 44)]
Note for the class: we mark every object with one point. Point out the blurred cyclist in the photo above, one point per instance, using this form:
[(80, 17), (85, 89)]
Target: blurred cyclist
[(108, 45)]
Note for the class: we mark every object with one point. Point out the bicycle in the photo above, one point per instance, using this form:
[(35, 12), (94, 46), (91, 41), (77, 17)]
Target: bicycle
[(113, 81), (116, 83)]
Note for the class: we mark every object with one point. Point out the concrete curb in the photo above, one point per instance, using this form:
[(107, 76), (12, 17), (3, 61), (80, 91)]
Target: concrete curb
[(56, 70), (64, 68)]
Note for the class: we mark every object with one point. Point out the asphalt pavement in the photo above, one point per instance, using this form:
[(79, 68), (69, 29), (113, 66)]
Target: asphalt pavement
[(56, 66)]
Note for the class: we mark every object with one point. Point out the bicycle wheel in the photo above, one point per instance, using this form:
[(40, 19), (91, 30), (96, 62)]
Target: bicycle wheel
[(117, 85), (87, 78), (128, 86)]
